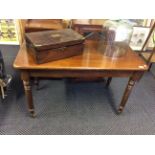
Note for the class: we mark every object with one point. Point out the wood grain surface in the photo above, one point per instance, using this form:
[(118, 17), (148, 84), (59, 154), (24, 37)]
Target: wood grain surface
[(92, 59)]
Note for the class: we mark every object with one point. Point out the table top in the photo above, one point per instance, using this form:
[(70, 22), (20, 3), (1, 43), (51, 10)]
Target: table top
[(93, 58)]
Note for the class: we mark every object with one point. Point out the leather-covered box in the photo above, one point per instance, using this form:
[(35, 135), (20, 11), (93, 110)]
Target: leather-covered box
[(52, 45)]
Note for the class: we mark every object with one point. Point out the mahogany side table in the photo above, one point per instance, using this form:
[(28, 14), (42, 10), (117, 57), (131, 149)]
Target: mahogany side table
[(92, 63)]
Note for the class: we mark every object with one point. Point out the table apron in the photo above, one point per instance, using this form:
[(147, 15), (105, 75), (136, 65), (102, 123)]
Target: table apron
[(80, 73)]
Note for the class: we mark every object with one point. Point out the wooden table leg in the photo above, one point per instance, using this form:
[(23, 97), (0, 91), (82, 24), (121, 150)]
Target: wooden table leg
[(28, 92), (108, 81), (135, 77)]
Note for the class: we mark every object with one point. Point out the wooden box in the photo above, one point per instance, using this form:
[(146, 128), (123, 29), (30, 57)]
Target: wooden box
[(52, 45)]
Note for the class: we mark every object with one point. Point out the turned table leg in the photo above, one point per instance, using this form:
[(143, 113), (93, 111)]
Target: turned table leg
[(28, 93), (132, 80)]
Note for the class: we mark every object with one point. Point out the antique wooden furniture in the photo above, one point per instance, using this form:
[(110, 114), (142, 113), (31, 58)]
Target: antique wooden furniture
[(54, 44), (92, 63), (33, 25), (88, 26)]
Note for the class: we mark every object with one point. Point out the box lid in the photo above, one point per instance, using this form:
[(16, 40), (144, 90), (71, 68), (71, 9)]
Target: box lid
[(54, 39)]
